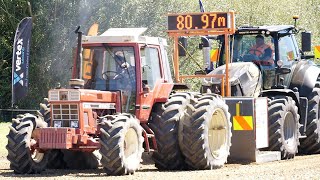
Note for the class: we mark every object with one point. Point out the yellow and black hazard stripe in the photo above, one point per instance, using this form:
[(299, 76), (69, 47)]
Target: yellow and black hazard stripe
[(242, 123)]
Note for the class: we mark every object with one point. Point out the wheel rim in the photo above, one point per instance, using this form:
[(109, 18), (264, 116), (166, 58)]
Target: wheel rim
[(35, 154), (130, 143), (289, 129), (217, 135)]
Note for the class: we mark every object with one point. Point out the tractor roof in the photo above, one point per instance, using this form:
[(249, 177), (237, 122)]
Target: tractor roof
[(123, 35), (259, 29)]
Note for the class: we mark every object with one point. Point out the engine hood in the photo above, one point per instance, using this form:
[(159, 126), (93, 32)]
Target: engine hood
[(244, 74)]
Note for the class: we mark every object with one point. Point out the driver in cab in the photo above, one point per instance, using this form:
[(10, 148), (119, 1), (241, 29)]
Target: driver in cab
[(122, 64), (124, 72), (262, 51)]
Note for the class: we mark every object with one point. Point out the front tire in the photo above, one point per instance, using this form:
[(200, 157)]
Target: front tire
[(164, 123), (45, 110), (23, 157), (283, 126), (205, 133), (121, 144)]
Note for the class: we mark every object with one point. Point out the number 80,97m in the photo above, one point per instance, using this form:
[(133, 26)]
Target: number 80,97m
[(185, 22)]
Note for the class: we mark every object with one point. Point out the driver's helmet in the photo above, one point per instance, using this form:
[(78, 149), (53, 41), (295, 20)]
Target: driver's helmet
[(120, 59), (119, 56)]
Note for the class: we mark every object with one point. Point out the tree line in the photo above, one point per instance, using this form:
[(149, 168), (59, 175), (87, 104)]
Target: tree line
[(54, 22)]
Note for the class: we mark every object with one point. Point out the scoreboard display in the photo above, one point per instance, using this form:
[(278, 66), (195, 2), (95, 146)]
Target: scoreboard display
[(199, 21)]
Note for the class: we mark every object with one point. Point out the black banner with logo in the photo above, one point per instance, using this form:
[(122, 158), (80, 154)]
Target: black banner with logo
[(20, 59)]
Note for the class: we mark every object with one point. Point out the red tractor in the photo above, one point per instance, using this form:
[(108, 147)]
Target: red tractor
[(122, 101)]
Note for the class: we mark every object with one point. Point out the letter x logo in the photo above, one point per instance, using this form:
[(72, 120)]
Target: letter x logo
[(17, 78)]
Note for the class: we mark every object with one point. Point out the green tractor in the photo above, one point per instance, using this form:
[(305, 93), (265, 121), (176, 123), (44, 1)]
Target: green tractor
[(279, 70)]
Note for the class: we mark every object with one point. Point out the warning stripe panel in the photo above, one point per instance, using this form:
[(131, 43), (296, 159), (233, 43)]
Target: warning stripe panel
[(317, 52), (242, 123)]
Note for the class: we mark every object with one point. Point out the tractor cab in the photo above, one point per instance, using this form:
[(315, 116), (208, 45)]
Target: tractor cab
[(112, 68), (274, 51), (265, 45), (125, 63)]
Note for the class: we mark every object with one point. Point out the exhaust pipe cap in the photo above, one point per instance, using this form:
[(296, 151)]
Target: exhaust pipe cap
[(76, 83)]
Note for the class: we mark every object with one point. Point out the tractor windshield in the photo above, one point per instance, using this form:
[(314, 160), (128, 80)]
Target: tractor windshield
[(109, 68), (248, 48)]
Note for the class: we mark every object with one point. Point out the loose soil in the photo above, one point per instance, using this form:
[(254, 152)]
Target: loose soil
[(301, 167)]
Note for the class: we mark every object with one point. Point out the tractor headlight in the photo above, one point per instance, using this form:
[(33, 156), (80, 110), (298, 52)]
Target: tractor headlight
[(74, 124), (57, 124)]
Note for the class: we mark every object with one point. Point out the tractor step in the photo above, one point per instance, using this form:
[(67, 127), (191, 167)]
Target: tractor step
[(149, 139), (302, 136), (267, 156)]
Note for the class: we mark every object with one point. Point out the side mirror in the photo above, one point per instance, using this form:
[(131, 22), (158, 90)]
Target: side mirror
[(306, 41), (182, 46)]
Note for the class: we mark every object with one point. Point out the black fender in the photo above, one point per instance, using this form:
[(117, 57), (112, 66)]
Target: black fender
[(284, 92), (304, 77), (180, 86)]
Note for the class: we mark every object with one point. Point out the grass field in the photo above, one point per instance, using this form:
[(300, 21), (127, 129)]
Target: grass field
[(4, 130)]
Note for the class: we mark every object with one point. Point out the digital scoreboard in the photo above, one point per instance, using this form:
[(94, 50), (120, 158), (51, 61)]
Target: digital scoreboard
[(199, 21)]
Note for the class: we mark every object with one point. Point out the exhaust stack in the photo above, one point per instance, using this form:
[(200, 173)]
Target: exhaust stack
[(79, 52)]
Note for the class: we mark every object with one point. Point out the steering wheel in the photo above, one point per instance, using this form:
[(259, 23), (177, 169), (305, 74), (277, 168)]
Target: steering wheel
[(264, 62), (249, 57), (107, 75)]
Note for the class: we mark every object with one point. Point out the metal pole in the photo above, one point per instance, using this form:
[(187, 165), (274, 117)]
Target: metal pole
[(176, 59), (227, 64), (80, 54)]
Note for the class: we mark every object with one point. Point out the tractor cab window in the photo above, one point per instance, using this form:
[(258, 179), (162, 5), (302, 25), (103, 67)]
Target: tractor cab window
[(150, 64), (287, 52), (111, 69), (258, 49), (254, 48)]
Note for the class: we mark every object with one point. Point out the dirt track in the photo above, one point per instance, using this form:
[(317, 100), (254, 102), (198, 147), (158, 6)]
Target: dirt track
[(302, 167)]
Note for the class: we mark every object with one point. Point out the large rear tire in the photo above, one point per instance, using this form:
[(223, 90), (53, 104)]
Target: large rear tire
[(205, 133), (164, 122), (23, 157), (311, 144), (283, 126), (121, 144)]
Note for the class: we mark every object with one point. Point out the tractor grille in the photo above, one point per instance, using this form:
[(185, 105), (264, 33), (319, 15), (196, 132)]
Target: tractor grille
[(56, 138), (63, 115)]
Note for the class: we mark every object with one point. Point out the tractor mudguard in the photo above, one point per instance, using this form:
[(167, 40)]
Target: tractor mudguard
[(304, 77), (285, 92)]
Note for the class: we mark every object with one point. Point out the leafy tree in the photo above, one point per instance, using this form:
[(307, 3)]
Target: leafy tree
[(54, 22)]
